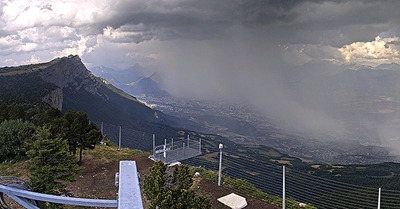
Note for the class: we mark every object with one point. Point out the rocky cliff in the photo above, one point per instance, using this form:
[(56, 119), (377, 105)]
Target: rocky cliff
[(66, 84)]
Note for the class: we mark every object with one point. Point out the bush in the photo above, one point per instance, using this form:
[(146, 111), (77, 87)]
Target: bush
[(11, 145)]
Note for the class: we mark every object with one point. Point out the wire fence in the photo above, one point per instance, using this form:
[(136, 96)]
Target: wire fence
[(301, 186), (264, 175)]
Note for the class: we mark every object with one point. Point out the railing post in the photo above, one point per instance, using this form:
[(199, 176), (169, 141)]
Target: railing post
[(119, 139), (165, 149), (379, 198), (154, 143), (220, 164), (200, 146), (283, 188)]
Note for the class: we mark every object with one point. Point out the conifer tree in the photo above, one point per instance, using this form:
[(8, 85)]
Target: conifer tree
[(50, 163), (174, 191), (153, 185), (80, 133)]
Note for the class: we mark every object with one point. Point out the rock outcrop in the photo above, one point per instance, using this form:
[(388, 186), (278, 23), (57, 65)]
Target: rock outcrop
[(54, 98), (70, 72)]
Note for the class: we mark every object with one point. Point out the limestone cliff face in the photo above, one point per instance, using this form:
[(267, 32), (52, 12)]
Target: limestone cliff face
[(70, 72), (54, 98), (67, 72)]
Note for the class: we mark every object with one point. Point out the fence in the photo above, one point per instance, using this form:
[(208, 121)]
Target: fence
[(176, 151), (303, 187)]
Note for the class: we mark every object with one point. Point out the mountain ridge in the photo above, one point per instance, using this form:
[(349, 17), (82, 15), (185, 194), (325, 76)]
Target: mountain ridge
[(69, 85)]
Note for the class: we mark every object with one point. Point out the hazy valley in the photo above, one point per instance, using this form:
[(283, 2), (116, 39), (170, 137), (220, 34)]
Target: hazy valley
[(361, 103)]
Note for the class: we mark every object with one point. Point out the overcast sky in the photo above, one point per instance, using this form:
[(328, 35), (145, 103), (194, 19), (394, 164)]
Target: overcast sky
[(201, 40), (208, 48), (125, 32)]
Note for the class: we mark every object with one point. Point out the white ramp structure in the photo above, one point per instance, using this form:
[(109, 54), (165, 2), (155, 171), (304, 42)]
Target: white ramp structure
[(129, 186), (129, 196)]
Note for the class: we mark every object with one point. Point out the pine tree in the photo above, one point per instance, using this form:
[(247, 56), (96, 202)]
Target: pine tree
[(174, 191), (80, 133), (153, 185), (50, 163)]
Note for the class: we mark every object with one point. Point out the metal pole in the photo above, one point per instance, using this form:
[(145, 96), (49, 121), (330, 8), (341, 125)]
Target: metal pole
[(200, 146), (188, 140), (172, 142), (379, 198), (154, 143), (165, 149), (102, 128), (119, 140), (183, 149), (283, 188), (220, 164)]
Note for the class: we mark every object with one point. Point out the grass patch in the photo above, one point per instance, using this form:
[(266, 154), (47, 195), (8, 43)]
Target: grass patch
[(210, 157), (111, 152), (287, 162)]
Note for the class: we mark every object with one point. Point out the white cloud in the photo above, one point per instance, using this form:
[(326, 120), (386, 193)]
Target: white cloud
[(77, 47), (19, 15), (374, 52), (10, 61), (26, 47), (34, 59)]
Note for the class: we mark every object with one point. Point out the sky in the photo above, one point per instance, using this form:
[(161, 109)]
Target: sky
[(125, 32), (208, 48)]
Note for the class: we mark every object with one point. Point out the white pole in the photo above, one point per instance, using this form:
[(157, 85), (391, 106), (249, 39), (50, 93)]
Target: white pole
[(119, 140), (154, 143), (379, 198), (188, 140), (283, 188), (165, 148), (172, 143), (200, 146), (220, 164)]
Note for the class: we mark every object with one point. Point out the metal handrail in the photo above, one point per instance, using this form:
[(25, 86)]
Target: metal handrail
[(57, 199)]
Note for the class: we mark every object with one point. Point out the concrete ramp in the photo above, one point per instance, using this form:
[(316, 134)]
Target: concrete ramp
[(233, 201)]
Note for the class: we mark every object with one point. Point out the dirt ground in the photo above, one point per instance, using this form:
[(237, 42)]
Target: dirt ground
[(97, 180)]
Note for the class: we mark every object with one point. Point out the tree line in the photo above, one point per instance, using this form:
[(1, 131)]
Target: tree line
[(50, 141)]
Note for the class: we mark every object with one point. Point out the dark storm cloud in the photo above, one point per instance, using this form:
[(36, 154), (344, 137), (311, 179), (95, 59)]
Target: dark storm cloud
[(322, 22)]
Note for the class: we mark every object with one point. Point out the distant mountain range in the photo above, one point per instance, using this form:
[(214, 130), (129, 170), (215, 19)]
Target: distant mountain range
[(134, 80)]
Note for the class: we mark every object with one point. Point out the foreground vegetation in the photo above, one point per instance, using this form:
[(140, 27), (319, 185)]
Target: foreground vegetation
[(166, 189), (49, 140)]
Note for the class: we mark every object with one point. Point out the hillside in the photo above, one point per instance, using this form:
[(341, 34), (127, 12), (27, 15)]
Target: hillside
[(66, 84)]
